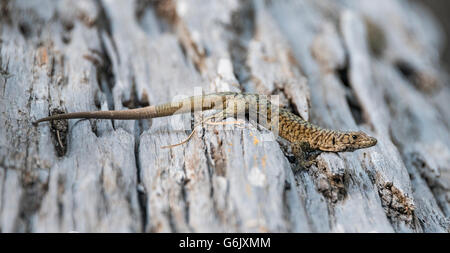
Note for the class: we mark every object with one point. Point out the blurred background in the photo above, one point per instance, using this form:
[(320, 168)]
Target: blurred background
[(440, 9)]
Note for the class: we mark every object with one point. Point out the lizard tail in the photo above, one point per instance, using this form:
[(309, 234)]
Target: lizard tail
[(191, 104), (140, 113)]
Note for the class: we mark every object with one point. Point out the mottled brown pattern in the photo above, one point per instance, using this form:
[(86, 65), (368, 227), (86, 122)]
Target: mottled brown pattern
[(296, 130), (303, 135)]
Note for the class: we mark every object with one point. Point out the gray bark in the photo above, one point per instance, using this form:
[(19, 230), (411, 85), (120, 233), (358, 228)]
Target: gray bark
[(348, 65)]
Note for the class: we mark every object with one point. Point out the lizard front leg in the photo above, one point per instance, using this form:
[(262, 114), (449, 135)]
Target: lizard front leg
[(306, 157)]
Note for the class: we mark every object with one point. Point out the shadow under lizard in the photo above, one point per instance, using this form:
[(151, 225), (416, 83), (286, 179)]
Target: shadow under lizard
[(307, 140)]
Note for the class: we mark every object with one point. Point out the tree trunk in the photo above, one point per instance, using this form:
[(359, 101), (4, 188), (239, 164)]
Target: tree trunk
[(347, 65)]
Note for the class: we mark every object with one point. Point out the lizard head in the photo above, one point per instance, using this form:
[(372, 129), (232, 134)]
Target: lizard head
[(347, 141)]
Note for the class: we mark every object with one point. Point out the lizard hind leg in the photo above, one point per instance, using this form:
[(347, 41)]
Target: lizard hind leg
[(219, 115), (222, 116)]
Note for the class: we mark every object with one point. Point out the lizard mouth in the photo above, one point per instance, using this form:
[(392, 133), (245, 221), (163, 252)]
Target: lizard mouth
[(371, 142), (364, 144)]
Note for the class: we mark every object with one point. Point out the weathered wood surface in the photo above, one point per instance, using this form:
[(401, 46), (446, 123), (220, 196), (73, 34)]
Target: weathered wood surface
[(370, 65)]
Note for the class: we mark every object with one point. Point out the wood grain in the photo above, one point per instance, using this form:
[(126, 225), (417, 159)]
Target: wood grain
[(349, 67)]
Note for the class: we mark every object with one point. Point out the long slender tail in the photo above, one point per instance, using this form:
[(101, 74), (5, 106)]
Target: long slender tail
[(191, 104), (140, 113)]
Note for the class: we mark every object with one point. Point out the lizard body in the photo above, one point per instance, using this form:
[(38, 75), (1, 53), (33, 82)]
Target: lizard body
[(303, 135)]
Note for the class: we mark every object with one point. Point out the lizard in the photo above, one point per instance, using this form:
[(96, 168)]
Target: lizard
[(307, 140)]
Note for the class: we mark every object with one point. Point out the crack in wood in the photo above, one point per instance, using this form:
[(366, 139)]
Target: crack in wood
[(242, 30), (328, 198)]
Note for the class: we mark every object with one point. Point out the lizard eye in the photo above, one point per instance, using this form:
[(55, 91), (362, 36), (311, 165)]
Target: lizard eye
[(354, 137)]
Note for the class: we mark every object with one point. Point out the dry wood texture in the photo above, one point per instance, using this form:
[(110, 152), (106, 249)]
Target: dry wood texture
[(369, 65)]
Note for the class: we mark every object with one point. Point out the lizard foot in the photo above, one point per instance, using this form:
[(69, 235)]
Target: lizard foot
[(206, 121)]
